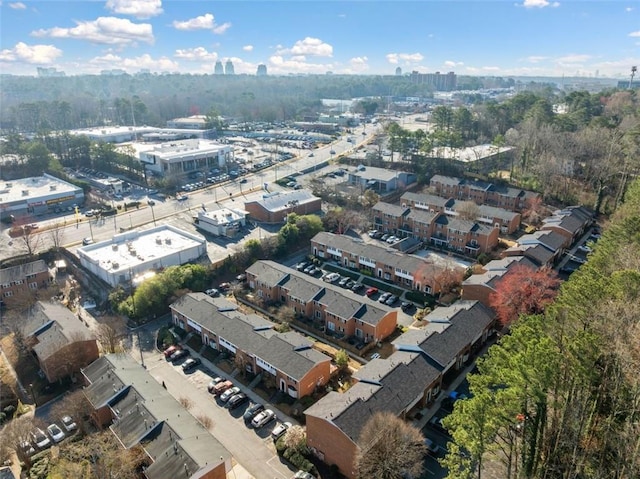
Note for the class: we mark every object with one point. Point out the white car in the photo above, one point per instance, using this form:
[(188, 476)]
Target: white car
[(585, 249), (263, 418), (40, 439), (331, 277), (55, 432), (280, 429), (225, 396), (68, 423)]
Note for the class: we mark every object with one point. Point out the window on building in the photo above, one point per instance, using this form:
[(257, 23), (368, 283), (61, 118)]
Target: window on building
[(8, 294), (33, 285)]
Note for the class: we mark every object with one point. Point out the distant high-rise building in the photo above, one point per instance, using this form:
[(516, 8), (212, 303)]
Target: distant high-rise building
[(439, 81), (49, 72), (262, 70), (218, 69), (398, 71), (228, 68)]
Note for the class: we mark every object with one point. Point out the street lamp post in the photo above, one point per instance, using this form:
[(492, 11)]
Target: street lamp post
[(153, 215)]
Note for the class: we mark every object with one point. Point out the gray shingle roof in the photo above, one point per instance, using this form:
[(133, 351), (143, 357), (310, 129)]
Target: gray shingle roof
[(446, 180), (149, 415), (426, 199), (422, 216), (267, 274), (392, 210), (494, 212), (294, 360), (283, 200), (15, 273)]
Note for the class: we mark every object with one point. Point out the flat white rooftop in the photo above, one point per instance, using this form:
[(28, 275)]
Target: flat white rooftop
[(183, 148), (469, 154), (223, 216), (33, 188), (134, 248), (106, 131)]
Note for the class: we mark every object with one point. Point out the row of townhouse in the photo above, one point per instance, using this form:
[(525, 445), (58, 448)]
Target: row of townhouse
[(403, 384), (541, 249), (339, 311), (436, 228), (506, 221), (141, 413), (288, 358), (16, 281), (482, 193), (385, 263)]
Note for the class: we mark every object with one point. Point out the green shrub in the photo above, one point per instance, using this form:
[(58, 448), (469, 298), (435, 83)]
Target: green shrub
[(9, 410), (3, 417), (288, 453), (421, 298)]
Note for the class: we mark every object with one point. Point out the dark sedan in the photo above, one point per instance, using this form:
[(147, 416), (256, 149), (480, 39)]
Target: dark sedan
[(252, 411), (178, 355), (236, 401)]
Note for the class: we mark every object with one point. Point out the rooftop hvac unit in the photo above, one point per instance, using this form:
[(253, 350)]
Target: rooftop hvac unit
[(115, 265), (167, 240), (53, 187), (25, 192), (133, 252), (158, 240), (114, 247)]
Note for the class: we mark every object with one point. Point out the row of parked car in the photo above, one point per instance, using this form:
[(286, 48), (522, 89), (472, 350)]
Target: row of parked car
[(387, 238), (41, 440)]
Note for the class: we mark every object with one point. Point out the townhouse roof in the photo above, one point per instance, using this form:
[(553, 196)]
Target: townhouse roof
[(338, 301), (268, 274), (146, 414), (553, 240), (495, 212), (488, 278), (466, 226), (422, 216), (510, 192), (21, 271), (54, 326), (295, 359), (373, 252), (421, 200), (571, 219), (446, 180), (391, 209), (508, 262), (457, 326), (372, 173), (538, 253), (390, 385), (284, 201)]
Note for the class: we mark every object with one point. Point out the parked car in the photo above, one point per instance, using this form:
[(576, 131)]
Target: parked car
[(298, 187), (303, 475), (55, 432), (349, 284), (568, 270), (224, 287), (225, 396), (333, 152), (371, 291), (170, 350), (241, 278), (213, 382), (391, 300), (308, 269), (280, 429), (179, 354), (251, 411), (375, 356), (343, 281), (68, 423), (372, 233), (584, 248), (291, 184), (357, 287), (436, 422), (222, 387), (577, 259), (433, 448), (315, 270), (406, 306), (301, 265), (384, 296), (87, 241), (236, 401), (190, 364), (213, 292), (331, 277), (40, 439), (263, 418), (384, 237)]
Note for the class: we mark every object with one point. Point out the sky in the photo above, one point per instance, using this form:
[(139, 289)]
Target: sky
[(487, 38)]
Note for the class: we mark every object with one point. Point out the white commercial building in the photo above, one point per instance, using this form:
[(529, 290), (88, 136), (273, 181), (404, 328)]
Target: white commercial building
[(194, 122), (129, 256), (181, 157), (114, 134), (37, 195), (222, 222)]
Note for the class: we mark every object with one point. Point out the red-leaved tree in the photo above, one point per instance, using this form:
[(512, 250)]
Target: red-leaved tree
[(523, 290)]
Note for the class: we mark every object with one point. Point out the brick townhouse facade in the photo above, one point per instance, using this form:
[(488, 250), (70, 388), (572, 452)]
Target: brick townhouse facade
[(28, 278)]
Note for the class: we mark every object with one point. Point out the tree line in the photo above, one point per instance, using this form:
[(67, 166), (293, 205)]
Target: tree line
[(559, 397)]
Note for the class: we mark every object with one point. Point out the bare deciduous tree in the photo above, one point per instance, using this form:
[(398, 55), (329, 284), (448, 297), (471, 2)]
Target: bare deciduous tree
[(110, 334), (467, 210), (389, 448)]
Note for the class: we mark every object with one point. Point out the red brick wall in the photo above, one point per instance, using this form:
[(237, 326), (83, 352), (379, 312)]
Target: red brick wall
[(335, 447)]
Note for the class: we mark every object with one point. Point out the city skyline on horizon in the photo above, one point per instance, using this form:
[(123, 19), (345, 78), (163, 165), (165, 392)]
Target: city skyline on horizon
[(525, 38)]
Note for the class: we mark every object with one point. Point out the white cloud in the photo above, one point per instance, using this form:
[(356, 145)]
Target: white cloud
[(104, 30), (17, 6), (535, 59), (358, 65), (248, 48), (572, 59), (163, 64), (452, 64), (539, 4), (196, 54), (407, 58), (33, 54), (629, 9), (220, 29), (309, 46), (136, 8), (635, 34), (278, 65)]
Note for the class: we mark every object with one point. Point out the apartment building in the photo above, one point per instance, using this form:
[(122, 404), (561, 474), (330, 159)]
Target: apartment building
[(408, 271), (287, 358), (481, 192), (464, 236), (340, 312), (402, 384), (275, 208), (23, 279), (571, 222), (544, 247)]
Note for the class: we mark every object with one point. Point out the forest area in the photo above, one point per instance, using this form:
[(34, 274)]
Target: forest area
[(559, 397)]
